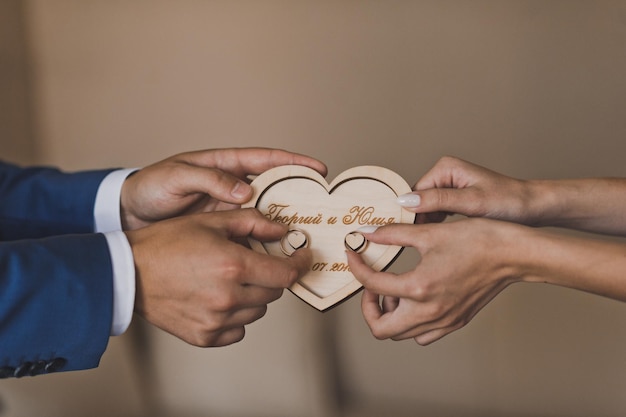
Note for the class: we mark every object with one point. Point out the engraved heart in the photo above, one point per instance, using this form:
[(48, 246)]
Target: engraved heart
[(296, 239), (325, 217), (355, 241)]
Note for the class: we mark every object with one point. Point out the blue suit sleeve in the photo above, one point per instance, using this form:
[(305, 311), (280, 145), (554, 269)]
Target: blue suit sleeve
[(38, 202), (55, 304)]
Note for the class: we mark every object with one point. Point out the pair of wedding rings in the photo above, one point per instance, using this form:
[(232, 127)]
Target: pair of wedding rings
[(296, 239)]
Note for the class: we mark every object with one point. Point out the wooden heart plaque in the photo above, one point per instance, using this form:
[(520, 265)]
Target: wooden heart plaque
[(325, 217)]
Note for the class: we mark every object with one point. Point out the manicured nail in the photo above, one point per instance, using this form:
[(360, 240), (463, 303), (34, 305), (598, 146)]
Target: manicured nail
[(409, 200), (240, 190), (367, 229)]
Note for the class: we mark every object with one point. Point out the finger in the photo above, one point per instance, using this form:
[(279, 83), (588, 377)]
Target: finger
[(396, 234), (432, 336), (448, 172), (217, 183), (378, 321), (383, 325), (260, 269), (428, 332), (230, 326), (254, 296), (419, 329), (229, 337), (384, 283), (276, 272), (445, 200), (389, 304), (422, 206), (220, 206), (246, 222), (251, 161), (370, 307), (279, 157), (243, 316)]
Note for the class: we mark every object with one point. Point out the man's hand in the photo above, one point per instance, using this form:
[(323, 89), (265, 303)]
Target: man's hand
[(200, 181), (195, 282)]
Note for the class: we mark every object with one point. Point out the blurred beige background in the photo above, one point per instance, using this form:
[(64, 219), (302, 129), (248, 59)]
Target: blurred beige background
[(529, 88)]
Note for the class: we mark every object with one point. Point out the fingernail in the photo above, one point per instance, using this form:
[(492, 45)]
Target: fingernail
[(367, 229), (240, 190), (409, 200)]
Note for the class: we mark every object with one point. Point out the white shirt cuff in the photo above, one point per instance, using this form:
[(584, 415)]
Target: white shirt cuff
[(108, 220), (106, 211), (123, 281)]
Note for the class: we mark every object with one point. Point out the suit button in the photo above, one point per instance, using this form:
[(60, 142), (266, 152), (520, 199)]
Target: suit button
[(6, 372), (22, 370), (55, 364), (37, 368)]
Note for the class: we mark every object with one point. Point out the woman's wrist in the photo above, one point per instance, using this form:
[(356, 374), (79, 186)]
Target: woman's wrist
[(514, 245), (543, 203), (585, 264)]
